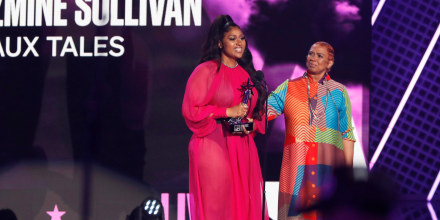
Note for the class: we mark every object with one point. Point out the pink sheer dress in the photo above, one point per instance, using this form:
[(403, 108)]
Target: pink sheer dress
[(225, 179)]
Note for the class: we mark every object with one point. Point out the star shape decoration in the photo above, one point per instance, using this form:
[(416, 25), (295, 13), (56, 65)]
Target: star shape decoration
[(55, 214)]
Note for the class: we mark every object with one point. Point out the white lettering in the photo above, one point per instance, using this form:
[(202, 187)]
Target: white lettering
[(2, 53), (101, 12), (30, 46), (43, 7), (129, 20), (1, 21), (116, 46), (8, 47), (98, 45), (54, 44), (105, 13), (156, 11), (173, 11), (196, 9), (69, 47), (142, 12), (31, 13), (82, 52), (115, 21), (58, 7), (102, 46), (13, 11), (83, 17)]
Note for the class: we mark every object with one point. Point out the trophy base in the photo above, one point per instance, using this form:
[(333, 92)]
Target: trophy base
[(239, 127)]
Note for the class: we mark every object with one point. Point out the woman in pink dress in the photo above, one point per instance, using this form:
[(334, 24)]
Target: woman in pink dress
[(225, 179)]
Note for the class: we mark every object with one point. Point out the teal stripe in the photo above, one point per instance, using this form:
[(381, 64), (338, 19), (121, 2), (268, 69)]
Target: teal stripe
[(298, 180), (277, 98), (348, 115)]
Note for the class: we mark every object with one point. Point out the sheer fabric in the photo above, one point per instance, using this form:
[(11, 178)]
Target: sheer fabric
[(225, 179)]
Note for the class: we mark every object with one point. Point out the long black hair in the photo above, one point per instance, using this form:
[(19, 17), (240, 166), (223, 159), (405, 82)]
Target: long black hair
[(211, 51)]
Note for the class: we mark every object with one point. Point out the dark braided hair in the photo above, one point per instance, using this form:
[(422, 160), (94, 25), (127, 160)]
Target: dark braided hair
[(210, 51)]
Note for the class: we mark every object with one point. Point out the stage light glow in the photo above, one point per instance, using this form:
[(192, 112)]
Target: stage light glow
[(432, 211), (272, 198), (434, 187), (181, 206), (165, 197), (377, 11), (150, 209), (56, 214), (405, 97), (189, 204)]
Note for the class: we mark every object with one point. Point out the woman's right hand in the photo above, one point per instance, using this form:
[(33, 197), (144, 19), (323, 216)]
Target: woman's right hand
[(236, 111)]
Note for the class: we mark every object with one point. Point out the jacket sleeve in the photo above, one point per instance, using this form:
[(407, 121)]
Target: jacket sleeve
[(345, 120), (276, 101)]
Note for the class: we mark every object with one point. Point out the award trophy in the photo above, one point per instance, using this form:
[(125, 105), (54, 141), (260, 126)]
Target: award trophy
[(237, 124)]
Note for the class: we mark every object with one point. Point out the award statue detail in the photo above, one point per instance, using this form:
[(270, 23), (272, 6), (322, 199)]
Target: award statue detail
[(237, 124)]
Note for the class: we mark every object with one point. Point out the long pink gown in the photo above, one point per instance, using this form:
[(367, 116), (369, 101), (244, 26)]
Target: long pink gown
[(225, 179)]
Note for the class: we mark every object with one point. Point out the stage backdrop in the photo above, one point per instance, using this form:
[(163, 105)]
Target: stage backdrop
[(91, 93), (405, 101)]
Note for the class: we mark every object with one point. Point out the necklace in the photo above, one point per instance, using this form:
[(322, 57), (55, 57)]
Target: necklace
[(312, 113), (236, 64)]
